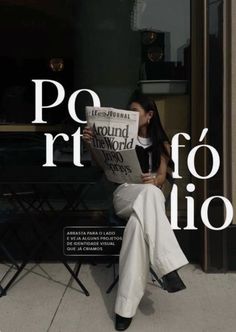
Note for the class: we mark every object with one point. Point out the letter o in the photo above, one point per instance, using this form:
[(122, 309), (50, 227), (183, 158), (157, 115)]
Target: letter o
[(71, 103), (215, 163), (229, 213)]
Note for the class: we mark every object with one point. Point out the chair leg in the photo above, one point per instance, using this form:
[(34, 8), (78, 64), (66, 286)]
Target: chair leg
[(157, 279), (44, 238), (112, 285), (2, 292), (152, 272), (78, 269)]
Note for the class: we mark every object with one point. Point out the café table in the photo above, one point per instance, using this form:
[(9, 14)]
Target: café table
[(28, 191)]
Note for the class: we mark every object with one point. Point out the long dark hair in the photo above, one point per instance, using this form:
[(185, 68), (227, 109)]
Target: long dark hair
[(155, 129)]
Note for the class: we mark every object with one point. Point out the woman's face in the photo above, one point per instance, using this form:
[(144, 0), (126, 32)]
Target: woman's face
[(144, 117)]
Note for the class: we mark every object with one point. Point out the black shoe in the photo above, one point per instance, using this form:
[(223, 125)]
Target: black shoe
[(122, 323), (172, 282)]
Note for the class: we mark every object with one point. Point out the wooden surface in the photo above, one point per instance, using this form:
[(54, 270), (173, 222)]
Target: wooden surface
[(31, 128)]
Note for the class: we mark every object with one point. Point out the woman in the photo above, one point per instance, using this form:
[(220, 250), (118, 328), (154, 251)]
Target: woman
[(148, 239)]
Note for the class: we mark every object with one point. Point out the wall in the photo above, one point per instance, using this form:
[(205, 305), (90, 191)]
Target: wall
[(106, 60), (175, 116), (108, 52)]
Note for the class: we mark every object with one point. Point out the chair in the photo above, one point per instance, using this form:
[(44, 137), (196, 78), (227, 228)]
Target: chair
[(35, 206), (8, 232)]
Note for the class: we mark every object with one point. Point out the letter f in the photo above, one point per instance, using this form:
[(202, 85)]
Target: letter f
[(175, 153)]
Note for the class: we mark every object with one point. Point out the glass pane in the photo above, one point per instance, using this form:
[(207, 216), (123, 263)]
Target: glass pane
[(215, 88), (165, 38)]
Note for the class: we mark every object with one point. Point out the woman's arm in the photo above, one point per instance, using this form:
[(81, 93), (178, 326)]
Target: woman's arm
[(87, 138), (159, 178)]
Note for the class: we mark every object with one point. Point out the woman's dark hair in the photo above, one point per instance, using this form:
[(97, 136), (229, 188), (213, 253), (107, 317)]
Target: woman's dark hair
[(155, 129)]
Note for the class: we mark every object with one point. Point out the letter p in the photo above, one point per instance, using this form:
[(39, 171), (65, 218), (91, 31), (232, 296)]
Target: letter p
[(39, 98)]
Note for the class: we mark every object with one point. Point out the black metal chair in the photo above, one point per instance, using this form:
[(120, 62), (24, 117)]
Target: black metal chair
[(9, 233), (32, 204)]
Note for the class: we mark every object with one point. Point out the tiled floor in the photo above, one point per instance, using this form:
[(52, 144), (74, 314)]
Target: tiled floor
[(45, 300)]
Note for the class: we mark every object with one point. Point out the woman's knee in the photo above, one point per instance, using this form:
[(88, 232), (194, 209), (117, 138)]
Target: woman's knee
[(151, 190)]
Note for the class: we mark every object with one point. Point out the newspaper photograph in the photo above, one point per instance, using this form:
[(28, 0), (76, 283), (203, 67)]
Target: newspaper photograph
[(113, 146)]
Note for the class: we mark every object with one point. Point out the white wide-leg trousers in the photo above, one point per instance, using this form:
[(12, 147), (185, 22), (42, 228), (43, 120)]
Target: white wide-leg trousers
[(148, 241)]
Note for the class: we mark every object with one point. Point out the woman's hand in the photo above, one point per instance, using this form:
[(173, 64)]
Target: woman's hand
[(87, 135), (149, 178)]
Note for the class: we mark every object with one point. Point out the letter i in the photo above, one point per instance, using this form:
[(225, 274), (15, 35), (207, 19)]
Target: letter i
[(174, 207), (190, 207)]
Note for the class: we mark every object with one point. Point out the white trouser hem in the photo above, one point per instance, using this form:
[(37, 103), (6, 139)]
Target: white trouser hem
[(169, 263), (126, 307)]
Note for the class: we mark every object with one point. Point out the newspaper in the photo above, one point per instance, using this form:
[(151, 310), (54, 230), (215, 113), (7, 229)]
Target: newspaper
[(113, 146)]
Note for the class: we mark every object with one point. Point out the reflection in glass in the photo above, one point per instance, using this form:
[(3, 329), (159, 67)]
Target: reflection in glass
[(56, 64)]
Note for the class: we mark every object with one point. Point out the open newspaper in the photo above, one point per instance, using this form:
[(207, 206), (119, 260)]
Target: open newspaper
[(113, 145)]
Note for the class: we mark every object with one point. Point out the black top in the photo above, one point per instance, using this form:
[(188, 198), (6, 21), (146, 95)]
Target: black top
[(143, 157)]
